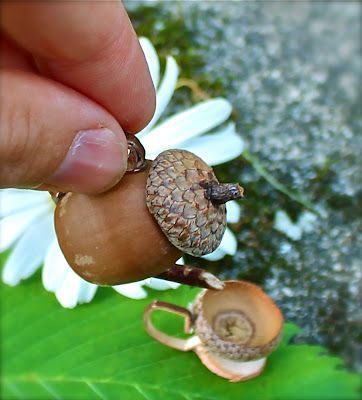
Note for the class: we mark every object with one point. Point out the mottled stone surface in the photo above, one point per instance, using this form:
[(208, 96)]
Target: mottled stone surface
[(293, 73), (176, 198)]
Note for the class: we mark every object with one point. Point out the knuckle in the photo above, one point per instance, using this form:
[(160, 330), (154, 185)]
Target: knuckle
[(17, 141)]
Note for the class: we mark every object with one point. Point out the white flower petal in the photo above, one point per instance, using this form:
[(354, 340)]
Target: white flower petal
[(29, 252), (17, 200), (307, 221), (58, 277), (187, 124), (133, 290), (232, 212), (55, 268), (284, 224), (216, 148), (163, 95), (229, 243), (161, 284), (87, 291), (217, 254), (67, 294), (180, 261), (152, 59), (13, 226)]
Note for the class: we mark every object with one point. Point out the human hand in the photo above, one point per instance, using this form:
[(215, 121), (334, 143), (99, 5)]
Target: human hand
[(72, 76)]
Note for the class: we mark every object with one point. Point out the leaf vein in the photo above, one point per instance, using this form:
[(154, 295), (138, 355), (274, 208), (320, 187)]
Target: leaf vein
[(141, 392), (91, 340), (13, 388), (95, 389), (62, 379), (49, 389)]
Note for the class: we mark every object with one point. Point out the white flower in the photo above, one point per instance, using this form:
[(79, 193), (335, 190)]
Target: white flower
[(305, 224), (26, 216)]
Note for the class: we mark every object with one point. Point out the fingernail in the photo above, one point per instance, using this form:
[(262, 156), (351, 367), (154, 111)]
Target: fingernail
[(96, 160)]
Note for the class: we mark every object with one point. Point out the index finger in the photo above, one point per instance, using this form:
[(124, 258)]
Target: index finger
[(91, 47)]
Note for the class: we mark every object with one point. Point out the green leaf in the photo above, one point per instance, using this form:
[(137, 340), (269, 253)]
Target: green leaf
[(101, 351)]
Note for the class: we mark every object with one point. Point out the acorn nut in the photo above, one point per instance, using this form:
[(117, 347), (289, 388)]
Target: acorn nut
[(187, 201), (139, 228)]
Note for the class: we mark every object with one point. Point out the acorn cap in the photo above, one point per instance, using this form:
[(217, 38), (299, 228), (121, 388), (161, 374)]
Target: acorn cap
[(239, 322), (234, 371), (187, 201)]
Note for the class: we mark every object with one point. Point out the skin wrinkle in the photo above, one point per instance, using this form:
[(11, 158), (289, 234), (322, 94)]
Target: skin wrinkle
[(89, 38), (127, 70), (98, 55), (24, 129), (104, 61), (14, 119)]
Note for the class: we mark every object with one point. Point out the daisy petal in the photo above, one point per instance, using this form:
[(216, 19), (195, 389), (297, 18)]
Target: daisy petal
[(152, 59), (58, 277), (232, 212), (216, 255), (133, 290), (218, 147), (163, 95), (13, 226), (17, 200), (284, 224), (67, 294), (187, 124), (55, 268), (29, 251), (307, 221), (161, 284), (87, 292), (228, 245)]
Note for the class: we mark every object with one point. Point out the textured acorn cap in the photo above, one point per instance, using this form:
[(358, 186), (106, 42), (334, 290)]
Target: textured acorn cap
[(175, 196), (239, 322)]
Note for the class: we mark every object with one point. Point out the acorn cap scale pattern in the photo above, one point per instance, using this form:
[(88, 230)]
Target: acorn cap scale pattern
[(176, 199)]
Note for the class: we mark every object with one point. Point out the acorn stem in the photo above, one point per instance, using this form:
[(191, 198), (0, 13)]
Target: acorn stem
[(136, 154), (57, 196), (192, 276), (220, 193)]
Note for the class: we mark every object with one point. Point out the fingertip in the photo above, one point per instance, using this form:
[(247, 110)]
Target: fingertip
[(143, 113), (95, 162), (57, 137)]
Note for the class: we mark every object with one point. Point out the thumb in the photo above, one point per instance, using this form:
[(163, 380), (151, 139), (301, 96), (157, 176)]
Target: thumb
[(52, 135)]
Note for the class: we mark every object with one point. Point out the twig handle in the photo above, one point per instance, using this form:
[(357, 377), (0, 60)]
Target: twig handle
[(164, 338), (192, 276)]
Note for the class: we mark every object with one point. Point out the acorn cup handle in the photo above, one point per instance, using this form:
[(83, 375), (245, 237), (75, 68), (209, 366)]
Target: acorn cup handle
[(164, 338)]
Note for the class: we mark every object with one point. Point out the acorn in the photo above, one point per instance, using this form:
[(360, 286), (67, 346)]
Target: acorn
[(238, 327), (232, 330), (158, 211)]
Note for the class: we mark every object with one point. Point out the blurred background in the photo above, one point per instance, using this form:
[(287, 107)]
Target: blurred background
[(292, 71)]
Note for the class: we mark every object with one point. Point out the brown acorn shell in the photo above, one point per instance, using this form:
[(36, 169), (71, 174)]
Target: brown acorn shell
[(176, 198), (111, 238)]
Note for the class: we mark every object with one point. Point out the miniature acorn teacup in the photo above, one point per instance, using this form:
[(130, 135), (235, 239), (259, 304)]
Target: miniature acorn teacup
[(235, 329)]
